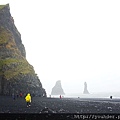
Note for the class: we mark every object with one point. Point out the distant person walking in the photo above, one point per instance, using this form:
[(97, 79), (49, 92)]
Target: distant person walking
[(21, 95), (28, 99), (110, 97), (13, 96), (60, 96)]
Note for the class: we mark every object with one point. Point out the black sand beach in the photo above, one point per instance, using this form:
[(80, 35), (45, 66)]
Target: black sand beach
[(59, 109), (57, 105)]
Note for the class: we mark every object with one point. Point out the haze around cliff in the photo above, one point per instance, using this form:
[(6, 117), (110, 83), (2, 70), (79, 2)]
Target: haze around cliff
[(71, 41)]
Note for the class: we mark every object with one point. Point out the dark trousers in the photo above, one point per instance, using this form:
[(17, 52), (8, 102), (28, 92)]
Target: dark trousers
[(28, 103)]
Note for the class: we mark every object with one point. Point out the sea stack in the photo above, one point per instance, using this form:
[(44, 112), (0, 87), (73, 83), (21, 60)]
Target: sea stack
[(57, 89), (85, 89), (16, 74)]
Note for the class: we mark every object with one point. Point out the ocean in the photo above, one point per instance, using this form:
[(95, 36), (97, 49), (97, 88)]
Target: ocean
[(91, 95)]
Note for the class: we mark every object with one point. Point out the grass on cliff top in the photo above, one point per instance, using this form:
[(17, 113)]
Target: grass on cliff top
[(2, 6)]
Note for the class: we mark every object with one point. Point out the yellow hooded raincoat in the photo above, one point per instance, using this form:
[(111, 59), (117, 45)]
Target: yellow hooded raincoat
[(28, 98)]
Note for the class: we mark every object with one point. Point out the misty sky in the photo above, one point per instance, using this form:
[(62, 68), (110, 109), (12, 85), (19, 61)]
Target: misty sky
[(71, 40)]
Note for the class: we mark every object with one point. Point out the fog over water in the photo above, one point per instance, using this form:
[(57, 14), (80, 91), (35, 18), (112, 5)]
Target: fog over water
[(72, 41)]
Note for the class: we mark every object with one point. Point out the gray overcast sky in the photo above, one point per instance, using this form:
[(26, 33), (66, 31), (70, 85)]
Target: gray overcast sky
[(71, 40)]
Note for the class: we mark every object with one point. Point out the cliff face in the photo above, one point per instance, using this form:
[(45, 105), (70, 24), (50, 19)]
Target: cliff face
[(16, 74), (57, 89)]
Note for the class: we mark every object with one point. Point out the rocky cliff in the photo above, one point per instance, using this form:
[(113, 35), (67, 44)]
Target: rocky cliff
[(16, 74), (57, 89)]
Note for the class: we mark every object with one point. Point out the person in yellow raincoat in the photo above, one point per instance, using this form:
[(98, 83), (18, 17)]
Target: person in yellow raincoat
[(28, 99)]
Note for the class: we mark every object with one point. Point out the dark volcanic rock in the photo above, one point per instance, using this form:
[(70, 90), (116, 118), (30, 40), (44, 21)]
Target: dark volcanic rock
[(85, 89), (47, 110), (57, 89), (16, 74)]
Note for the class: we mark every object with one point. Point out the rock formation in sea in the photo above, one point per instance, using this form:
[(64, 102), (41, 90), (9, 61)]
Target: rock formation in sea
[(57, 89), (85, 89), (16, 74)]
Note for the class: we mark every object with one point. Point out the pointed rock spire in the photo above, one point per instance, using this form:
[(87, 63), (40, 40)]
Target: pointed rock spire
[(85, 89), (57, 89)]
